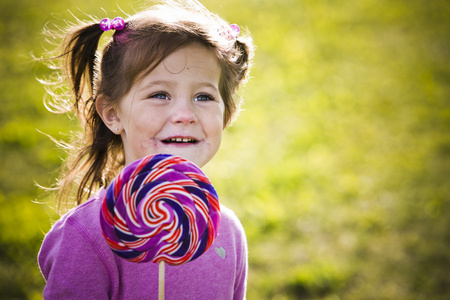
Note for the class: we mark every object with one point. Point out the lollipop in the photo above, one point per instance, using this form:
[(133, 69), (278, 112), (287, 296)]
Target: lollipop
[(160, 208)]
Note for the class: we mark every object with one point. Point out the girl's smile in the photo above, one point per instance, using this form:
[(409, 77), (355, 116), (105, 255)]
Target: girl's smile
[(175, 109)]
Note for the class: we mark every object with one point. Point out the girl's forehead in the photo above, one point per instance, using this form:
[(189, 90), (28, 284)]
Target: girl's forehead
[(193, 62), (191, 66), (190, 56)]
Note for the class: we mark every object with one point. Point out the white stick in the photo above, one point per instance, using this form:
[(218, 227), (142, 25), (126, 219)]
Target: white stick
[(161, 280)]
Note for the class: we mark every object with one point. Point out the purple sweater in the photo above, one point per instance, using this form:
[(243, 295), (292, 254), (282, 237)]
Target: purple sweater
[(78, 264)]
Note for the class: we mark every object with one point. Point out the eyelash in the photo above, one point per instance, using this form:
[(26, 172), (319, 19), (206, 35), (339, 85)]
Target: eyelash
[(163, 95), (158, 94), (209, 97)]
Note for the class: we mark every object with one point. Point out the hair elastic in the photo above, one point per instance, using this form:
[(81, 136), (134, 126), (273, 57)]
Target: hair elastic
[(235, 30), (106, 24), (231, 32)]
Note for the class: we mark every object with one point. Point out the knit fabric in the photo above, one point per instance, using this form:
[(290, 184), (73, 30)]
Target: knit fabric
[(77, 263)]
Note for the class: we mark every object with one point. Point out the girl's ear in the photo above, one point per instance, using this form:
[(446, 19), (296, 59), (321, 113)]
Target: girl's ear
[(108, 114)]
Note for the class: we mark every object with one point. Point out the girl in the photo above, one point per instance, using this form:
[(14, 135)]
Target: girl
[(164, 83)]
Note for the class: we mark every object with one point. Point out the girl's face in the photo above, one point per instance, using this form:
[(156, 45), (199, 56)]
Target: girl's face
[(176, 109)]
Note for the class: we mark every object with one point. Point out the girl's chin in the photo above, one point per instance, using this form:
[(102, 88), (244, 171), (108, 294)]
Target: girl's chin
[(192, 157)]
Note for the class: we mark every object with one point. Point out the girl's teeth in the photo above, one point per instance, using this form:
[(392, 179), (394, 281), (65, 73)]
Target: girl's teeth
[(181, 140)]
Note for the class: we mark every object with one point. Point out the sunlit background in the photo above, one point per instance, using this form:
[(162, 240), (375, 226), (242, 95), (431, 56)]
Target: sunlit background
[(338, 166)]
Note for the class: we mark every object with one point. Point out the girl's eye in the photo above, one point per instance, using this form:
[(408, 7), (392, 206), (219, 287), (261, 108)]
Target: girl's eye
[(160, 95), (203, 97)]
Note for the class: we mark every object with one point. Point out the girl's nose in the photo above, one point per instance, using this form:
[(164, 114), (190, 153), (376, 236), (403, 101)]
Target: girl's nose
[(183, 113)]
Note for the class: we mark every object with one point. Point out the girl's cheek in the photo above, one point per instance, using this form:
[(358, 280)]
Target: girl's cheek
[(148, 144)]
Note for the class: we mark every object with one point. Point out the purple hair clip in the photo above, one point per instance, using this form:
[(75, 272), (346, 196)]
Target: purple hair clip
[(107, 24), (235, 30), (231, 32)]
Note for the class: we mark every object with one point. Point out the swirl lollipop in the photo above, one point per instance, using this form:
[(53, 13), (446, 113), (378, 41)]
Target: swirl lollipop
[(160, 208)]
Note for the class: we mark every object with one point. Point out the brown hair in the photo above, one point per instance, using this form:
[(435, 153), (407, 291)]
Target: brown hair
[(147, 39)]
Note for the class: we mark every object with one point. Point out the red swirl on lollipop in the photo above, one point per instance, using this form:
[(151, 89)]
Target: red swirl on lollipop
[(160, 208)]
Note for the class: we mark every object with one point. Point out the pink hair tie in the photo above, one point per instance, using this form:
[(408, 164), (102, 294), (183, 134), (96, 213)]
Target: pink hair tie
[(230, 32), (107, 24), (235, 30)]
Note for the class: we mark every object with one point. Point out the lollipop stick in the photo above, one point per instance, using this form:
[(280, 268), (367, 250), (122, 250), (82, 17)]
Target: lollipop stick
[(161, 280)]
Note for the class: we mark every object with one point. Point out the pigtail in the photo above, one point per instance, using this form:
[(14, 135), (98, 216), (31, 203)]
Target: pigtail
[(88, 155), (244, 58), (80, 52)]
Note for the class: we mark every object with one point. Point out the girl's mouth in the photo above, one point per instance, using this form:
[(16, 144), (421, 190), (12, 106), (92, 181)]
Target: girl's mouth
[(180, 140)]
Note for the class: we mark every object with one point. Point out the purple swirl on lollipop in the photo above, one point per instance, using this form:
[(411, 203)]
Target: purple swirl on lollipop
[(160, 208)]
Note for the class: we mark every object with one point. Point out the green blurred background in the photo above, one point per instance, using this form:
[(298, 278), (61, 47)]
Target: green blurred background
[(338, 167)]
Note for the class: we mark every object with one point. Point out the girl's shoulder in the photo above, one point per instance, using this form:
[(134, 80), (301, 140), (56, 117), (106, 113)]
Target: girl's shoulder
[(87, 213), (82, 221), (73, 254), (230, 224), (229, 215)]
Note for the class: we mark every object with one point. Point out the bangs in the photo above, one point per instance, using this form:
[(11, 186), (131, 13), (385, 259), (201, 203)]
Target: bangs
[(145, 49)]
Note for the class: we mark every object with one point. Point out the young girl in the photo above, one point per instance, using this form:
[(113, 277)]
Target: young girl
[(164, 83)]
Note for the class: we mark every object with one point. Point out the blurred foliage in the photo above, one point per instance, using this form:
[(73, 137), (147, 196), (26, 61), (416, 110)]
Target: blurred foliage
[(338, 167)]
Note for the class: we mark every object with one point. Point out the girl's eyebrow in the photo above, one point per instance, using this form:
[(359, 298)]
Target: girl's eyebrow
[(209, 85), (171, 83), (158, 83)]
